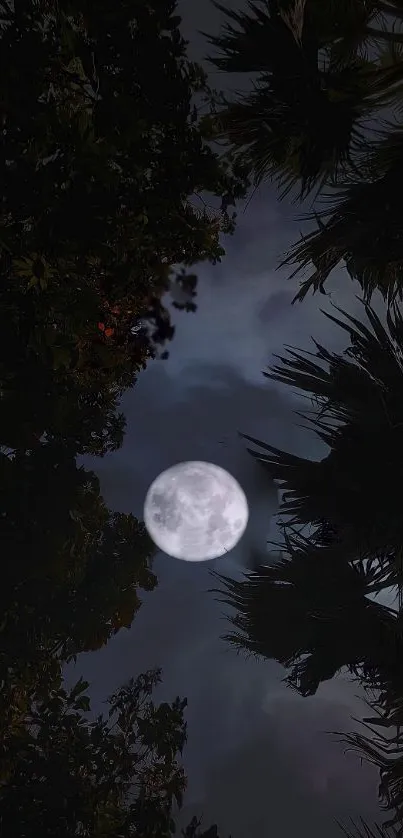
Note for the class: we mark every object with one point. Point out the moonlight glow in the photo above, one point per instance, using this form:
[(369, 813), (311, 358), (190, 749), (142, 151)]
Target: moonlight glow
[(195, 511)]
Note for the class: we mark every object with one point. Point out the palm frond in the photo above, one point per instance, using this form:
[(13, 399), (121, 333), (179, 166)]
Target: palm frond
[(309, 611), (361, 226), (300, 121), (363, 830), (359, 416)]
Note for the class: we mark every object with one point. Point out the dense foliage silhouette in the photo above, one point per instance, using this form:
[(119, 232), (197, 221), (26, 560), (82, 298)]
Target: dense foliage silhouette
[(110, 194), (323, 121)]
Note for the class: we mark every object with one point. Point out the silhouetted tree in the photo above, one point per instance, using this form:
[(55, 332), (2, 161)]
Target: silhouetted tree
[(316, 610), (347, 500), (323, 119), (323, 70), (103, 169), (105, 174), (62, 774), (71, 570), (358, 413), (103, 163), (310, 612)]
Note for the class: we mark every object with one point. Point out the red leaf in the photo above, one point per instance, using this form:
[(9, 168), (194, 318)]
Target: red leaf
[(101, 327)]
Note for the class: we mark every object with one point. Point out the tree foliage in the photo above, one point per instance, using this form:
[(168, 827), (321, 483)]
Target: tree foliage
[(110, 194), (62, 774), (357, 412), (311, 613), (347, 503), (71, 573), (104, 168), (103, 174), (323, 118), (316, 610)]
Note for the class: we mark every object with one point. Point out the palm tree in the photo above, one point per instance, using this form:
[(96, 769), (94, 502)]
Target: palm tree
[(287, 127), (380, 742), (349, 501), (362, 830), (324, 69), (315, 611), (311, 613), (359, 414), (360, 224)]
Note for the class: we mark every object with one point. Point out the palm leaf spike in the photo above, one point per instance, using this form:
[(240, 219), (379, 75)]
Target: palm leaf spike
[(363, 830), (293, 17)]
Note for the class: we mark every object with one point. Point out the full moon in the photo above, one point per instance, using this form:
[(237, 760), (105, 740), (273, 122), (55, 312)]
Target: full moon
[(195, 511)]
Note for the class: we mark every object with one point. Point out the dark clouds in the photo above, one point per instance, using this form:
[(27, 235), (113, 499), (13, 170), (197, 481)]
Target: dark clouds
[(197, 414), (290, 778)]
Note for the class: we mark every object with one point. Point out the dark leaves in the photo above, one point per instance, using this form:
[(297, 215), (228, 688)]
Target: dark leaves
[(64, 772), (307, 124)]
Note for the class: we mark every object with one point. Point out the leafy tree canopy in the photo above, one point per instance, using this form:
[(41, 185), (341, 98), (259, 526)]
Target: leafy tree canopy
[(119, 775), (71, 573), (107, 183), (104, 169)]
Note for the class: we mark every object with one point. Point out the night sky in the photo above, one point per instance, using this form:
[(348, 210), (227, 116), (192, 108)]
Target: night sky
[(259, 759)]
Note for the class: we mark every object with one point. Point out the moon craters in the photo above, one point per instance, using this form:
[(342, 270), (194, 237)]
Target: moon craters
[(195, 511)]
